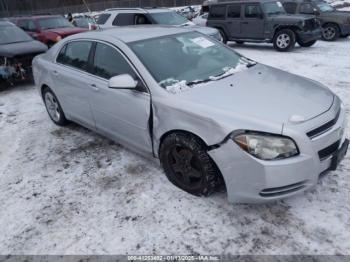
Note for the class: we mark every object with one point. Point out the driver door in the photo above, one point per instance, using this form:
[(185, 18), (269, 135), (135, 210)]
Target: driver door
[(122, 114)]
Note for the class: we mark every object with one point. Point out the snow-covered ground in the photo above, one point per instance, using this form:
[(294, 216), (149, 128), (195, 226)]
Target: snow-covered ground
[(70, 191)]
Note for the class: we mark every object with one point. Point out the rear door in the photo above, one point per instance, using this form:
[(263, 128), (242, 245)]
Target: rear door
[(233, 20), (252, 25), (73, 82)]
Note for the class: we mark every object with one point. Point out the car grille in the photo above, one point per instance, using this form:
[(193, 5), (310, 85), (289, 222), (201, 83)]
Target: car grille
[(279, 191), (328, 151), (324, 128), (311, 24)]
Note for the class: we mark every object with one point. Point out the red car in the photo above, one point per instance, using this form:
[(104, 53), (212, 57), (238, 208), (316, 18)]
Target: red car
[(47, 29)]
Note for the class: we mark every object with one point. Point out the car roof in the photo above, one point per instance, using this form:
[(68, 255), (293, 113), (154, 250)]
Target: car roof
[(143, 10), (5, 22), (132, 33)]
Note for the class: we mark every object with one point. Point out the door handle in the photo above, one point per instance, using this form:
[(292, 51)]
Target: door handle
[(245, 23), (94, 87)]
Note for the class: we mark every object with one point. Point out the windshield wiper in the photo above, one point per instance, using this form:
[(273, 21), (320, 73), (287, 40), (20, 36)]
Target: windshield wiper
[(195, 82)]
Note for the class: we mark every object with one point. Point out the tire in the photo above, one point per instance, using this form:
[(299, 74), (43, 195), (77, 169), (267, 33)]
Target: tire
[(223, 36), (307, 44), (239, 42), (54, 108), (188, 166), (330, 32), (284, 40)]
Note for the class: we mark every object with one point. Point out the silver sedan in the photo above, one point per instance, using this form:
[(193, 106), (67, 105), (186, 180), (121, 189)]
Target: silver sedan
[(211, 116)]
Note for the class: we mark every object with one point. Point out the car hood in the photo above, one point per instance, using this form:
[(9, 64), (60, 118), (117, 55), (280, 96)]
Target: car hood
[(67, 30), (264, 93), (205, 30), (337, 14), (22, 48)]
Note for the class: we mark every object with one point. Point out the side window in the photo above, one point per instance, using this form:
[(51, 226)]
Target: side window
[(306, 8), (217, 12), (75, 54), (252, 11), (124, 19), (141, 19), (234, 11), (108, 62), (27, 25), (102, 19), (290, 7)]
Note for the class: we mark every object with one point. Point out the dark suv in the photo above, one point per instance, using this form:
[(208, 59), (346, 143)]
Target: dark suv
[(335, 23), (48, 29), (263, 21)]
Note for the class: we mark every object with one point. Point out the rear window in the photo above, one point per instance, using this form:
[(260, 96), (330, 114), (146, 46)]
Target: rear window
[(234, 11), (102, 19), (217, 12), (124, 19)]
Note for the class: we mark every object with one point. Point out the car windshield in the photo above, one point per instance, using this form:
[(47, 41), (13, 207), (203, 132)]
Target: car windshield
[(178, 62), (324, 7), (273, 8), (83, 22), (54, 22), (12, 34), (168, 18)]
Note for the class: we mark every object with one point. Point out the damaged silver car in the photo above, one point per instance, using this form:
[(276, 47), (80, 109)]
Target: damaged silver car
[(212, 116), (17, 49)]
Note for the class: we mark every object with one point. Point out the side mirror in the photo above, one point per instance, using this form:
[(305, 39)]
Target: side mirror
[(123, 81)]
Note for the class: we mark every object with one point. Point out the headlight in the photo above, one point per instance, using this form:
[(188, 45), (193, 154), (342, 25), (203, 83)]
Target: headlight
[(267, 146)]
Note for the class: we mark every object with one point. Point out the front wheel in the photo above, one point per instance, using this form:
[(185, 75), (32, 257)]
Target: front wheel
[(284, 40), (187, 164), (330, 32), (53, 107), (306, 44)]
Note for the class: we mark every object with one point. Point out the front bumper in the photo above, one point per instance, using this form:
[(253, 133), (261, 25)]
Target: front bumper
[(345, 29), (250, 180), (310, 35)]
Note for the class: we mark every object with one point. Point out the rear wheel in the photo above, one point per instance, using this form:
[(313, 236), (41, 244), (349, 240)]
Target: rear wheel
[(306, 44), (284, 40), (187, 164), (53, 107), (330, 32)]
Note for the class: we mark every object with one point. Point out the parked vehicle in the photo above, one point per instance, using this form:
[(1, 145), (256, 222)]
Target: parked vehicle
[(263, 21), (85, 22), (141, 16), (47, 29), (205, 111), (335, 23), (17, 50), (189, 12), (201, 20)]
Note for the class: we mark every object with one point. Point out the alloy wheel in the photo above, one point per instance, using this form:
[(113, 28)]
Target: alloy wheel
[(283, 41), (329, 33), (52, 106), (185, 166)]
